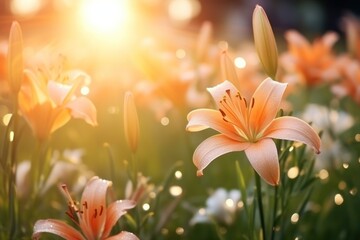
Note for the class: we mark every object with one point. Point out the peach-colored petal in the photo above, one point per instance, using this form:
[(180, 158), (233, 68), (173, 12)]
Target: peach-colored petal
[(218, 91), (214, 147), (83, 108), (93, 201), (114, 212), (329, 39), (33, 89), (56, 227), (58, 91), (263, 158), (267, 99), (294, 129), (123, 236), (62, 116), (201, 119), (294, 37)]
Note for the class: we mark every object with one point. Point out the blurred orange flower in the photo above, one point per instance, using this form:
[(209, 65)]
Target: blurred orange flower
[(49, 105), (352, 31), (312, 64), (93, 217), (248, 125), (349, 84)]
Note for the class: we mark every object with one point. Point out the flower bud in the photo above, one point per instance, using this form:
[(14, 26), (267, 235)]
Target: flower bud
[(228, 70), (15, 58), (265, 41), (131, 122)]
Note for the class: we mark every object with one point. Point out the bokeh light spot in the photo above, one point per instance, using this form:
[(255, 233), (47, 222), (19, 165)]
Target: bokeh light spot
[(338, 199), (25, 7), (293, 172), (240, 62), (294, 218)]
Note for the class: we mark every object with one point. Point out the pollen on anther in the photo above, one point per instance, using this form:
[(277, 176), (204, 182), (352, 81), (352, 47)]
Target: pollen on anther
[(222, 112), (228, 92), (101, 210), (239, 96)]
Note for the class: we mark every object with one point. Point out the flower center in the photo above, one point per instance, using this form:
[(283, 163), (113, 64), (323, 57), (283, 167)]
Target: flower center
[(236, 111), (74, 212)]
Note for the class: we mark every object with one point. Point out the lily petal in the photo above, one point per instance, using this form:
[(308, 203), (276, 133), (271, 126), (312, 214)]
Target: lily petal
[(218, 91), (214, 147), (294, 129), (56, 227), (266, 102), (58, 91), (94, 197), (61, 117), (201, 119), (83, 108), (124, 236), (114, 212), (263, 158)]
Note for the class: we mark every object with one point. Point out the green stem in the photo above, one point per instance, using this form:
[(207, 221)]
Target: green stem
[(111, 162), (260, 203), (134, 168), (273, 229), (11, 186)]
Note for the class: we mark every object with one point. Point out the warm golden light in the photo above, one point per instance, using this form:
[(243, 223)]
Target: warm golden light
[(183, 10), (338, 199), (146, 207), (105, 16), (165, 121), (25, 7), (323, 174), (175, 191), (293, 172), (240, 62), (295, 218), (6, 119), (178, 174)]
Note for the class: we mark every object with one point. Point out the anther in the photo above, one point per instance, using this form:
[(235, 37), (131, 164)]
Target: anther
[(239, 96), (252, 102), (228, 92), (95, 214), (85, 204), (222, 112), (245, 102), (101, 210)]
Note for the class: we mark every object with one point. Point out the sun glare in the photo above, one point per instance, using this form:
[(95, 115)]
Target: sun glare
[(104, 16), (25, 7)]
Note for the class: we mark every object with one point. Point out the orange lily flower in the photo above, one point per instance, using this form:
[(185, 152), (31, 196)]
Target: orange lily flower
[(312, 63), (350, 79), (248, 125), (47, 106), (93, 217)]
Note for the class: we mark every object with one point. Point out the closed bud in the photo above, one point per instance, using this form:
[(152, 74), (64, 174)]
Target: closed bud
[(131, 122), (265, 42), (228, 70), (15, 58)]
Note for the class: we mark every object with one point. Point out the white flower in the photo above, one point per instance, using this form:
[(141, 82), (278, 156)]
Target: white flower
[(332, 123), (220, 206)]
